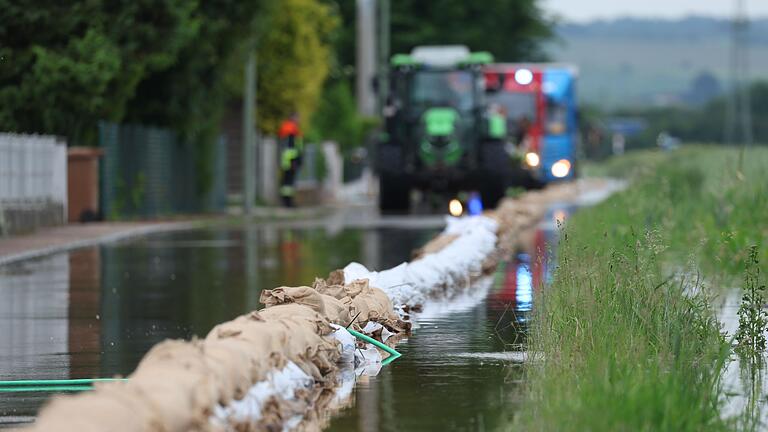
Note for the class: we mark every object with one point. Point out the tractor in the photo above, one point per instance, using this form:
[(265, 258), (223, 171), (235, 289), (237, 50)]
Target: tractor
[(440, 135)]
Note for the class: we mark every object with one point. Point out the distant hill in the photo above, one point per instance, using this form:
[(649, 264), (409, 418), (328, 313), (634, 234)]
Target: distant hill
[(636, 62)]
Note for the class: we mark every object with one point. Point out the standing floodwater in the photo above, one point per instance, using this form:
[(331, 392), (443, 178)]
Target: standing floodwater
[(95, 312), (461, 369)]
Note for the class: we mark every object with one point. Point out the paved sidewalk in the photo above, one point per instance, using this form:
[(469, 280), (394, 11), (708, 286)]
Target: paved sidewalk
[(51, 240), (56, 239)]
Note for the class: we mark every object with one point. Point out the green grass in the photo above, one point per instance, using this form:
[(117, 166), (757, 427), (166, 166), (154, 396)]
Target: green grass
[(627, 337)]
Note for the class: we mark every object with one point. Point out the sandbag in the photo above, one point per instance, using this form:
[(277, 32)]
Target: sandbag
[(236, 366), (302, 295), (97, 412), (335, 291), (175, 380), (327, 306), (356, 287)]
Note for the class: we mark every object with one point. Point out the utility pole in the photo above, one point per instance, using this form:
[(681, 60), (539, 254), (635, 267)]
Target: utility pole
[(384, 48), (738, 116), (249, 134), (366, 56)]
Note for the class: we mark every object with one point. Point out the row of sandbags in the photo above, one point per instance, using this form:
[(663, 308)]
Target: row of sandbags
[(467, 249), (178, 384), (514, 215)]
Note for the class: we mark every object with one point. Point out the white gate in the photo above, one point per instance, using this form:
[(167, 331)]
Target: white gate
[(33, 173)]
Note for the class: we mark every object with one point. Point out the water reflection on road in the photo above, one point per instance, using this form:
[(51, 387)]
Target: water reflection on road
[(460, 371), (95, 312)]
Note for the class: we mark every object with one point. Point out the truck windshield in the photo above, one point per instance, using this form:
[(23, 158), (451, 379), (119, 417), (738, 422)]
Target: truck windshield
[(443, 88), (515, 105), (519, 109)]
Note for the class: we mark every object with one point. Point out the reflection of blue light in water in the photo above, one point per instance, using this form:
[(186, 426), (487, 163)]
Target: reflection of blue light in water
[(524, 289), (475, 204)]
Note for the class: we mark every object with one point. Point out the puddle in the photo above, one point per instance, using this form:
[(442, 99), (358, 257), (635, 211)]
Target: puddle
[(736, 380)]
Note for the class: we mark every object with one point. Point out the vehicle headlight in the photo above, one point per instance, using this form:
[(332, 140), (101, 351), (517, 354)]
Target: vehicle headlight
[(523, 76), (561, 168), (532, 159), (455, 208)]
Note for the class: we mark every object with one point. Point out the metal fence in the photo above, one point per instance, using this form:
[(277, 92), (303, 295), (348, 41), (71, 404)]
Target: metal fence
[(33, 171), (149, 171)]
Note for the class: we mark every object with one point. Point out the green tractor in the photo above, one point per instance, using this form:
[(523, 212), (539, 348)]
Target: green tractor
[(441, 137)]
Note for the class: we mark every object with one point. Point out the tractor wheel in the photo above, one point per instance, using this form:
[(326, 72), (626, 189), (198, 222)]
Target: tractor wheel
[(394, 189), (496, 168), (394, 194)]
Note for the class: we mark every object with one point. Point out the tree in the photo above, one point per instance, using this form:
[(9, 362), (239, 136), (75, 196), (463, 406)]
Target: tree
[(294, 55), (511, 30), (191, 93), (337, 118), (65, 66)]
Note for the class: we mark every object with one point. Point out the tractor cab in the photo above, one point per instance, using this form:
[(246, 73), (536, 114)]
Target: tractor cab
[(437, 94), (436, 122)]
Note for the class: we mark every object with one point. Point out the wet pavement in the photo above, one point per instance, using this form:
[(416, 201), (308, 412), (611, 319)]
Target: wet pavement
[(95, 312)]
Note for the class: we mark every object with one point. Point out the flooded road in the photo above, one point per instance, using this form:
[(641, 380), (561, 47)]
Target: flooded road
[(95, 312), (461, 369)]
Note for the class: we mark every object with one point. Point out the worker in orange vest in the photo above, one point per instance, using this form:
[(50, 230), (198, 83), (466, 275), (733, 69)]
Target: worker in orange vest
[(292, 144)]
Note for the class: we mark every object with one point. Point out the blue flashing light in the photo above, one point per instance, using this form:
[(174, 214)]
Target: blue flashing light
[(475, 204)]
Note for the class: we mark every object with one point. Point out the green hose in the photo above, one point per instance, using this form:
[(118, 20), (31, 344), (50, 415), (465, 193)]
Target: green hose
[(81, 384), (393, 354), (48, 388), (57, 382)]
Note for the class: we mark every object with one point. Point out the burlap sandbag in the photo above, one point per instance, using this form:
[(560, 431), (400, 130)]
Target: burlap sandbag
[(335, 310), (302, 295), (336, 291), (356, 287), (374, 305), (98, 412), (336, 277), (235, 367), (327, 306), (263, 341), (264, 336), (175, 380), (322, 327), (315, 354)]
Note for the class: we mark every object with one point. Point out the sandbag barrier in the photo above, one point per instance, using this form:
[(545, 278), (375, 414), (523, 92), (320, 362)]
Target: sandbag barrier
[(288, 365)]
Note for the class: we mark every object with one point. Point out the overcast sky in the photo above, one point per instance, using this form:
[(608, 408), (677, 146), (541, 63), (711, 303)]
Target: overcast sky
[(586, 10)]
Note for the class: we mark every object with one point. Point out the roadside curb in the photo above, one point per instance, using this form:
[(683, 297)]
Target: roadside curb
[(97, 240), (261, 214)]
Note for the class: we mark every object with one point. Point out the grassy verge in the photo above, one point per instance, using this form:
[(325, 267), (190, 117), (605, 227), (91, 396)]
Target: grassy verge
[(625, 343)]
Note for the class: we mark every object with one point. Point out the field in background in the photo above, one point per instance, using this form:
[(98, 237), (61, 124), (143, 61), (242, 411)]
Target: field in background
[(648, 62)]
